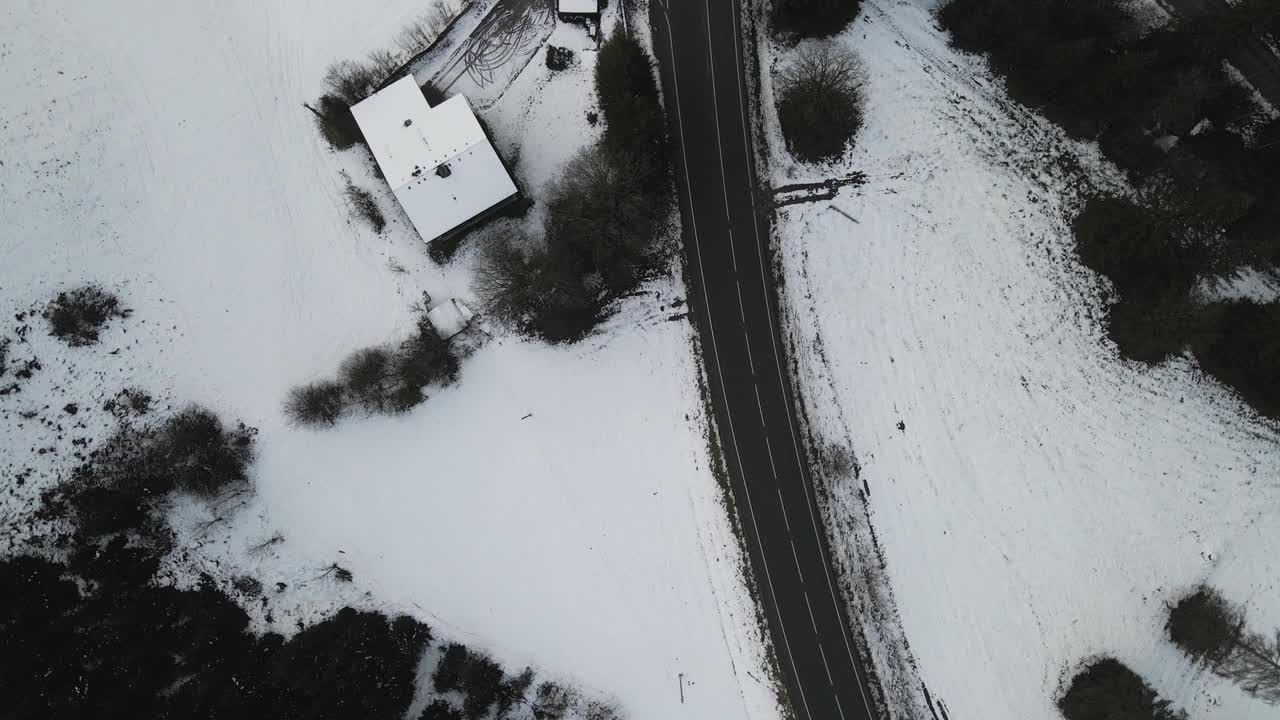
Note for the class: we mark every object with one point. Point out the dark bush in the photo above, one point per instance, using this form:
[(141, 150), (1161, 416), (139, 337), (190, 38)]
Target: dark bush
[(336, 124), (635, 126), (440, 710), (317, 403), (1108, 690), (559, 58), (424, 359), (1142, 251), (354, 665), (201, 455), (813, 18), (247, 585), (114, 490), (1204, 625), (482, 682), (820, 105), (450, 668), (1243, 351), (601, 218), (75, 316), (130, 402), (514, 691), (367, 376), (363, 205)]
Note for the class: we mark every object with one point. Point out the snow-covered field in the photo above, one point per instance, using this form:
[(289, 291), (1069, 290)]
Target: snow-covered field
[(557, 507), (1037, 499)]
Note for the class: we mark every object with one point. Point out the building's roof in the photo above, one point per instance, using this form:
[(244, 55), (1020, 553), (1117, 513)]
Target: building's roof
[(413, 142), (409, 137), (579, 6), (449, 318)]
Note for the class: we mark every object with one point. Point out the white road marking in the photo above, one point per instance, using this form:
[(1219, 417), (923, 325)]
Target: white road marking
[(760, 407), (823, 653), (675, 76), (785, 521), (742, 309), (769, 447), (810, 606)]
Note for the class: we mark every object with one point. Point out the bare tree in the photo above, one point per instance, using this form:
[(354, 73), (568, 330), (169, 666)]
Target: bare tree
[(506, 281), (820, 103), (351, 81), (1254, 665), (419, 34), (1211, 630), (384, 62)]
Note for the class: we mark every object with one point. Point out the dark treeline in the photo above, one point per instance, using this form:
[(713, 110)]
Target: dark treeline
[(605, 213), (1204, 160)]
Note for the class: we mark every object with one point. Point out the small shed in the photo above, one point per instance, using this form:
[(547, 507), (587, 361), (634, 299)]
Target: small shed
[(581, 9), (450, 318), (438, 160)]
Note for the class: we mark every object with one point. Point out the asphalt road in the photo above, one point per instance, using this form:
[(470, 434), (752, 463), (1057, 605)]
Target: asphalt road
[(1251, 57), (725, 224)]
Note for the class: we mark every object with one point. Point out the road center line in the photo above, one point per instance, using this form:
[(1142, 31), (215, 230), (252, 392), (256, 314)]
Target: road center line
[(785, 521), (769, 447), (824, 665)]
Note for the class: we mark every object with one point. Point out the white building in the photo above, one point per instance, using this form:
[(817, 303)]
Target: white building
[(438, 161), (582, 8)]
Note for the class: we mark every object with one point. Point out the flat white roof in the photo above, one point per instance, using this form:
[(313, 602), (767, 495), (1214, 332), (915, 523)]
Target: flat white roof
[(449, 318), (437, 160), (408, 136), (579, 6)]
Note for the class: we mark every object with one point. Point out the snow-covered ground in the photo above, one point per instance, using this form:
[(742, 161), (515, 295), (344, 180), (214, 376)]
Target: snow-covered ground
[(1037, 499), (557, 507)]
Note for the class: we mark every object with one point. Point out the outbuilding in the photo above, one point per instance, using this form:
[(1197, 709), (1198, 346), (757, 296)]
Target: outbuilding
[(578, 9), (438, 160)]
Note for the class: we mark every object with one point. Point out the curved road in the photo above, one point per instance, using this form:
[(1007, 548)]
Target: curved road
[(726, 228)]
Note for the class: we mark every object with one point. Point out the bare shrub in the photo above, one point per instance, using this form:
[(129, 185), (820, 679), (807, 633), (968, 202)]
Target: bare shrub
[(317, 403), (553, 700), (820, 103), (423, 359), (351, 80), (247, 585), (383, 62), (201, 455), (363, 205), (600, 710), (507, 282), (367, 375), (419, 34), (75, 316)]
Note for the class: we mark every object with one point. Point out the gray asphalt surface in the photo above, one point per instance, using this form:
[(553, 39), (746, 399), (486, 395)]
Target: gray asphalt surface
[(726, 227)]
